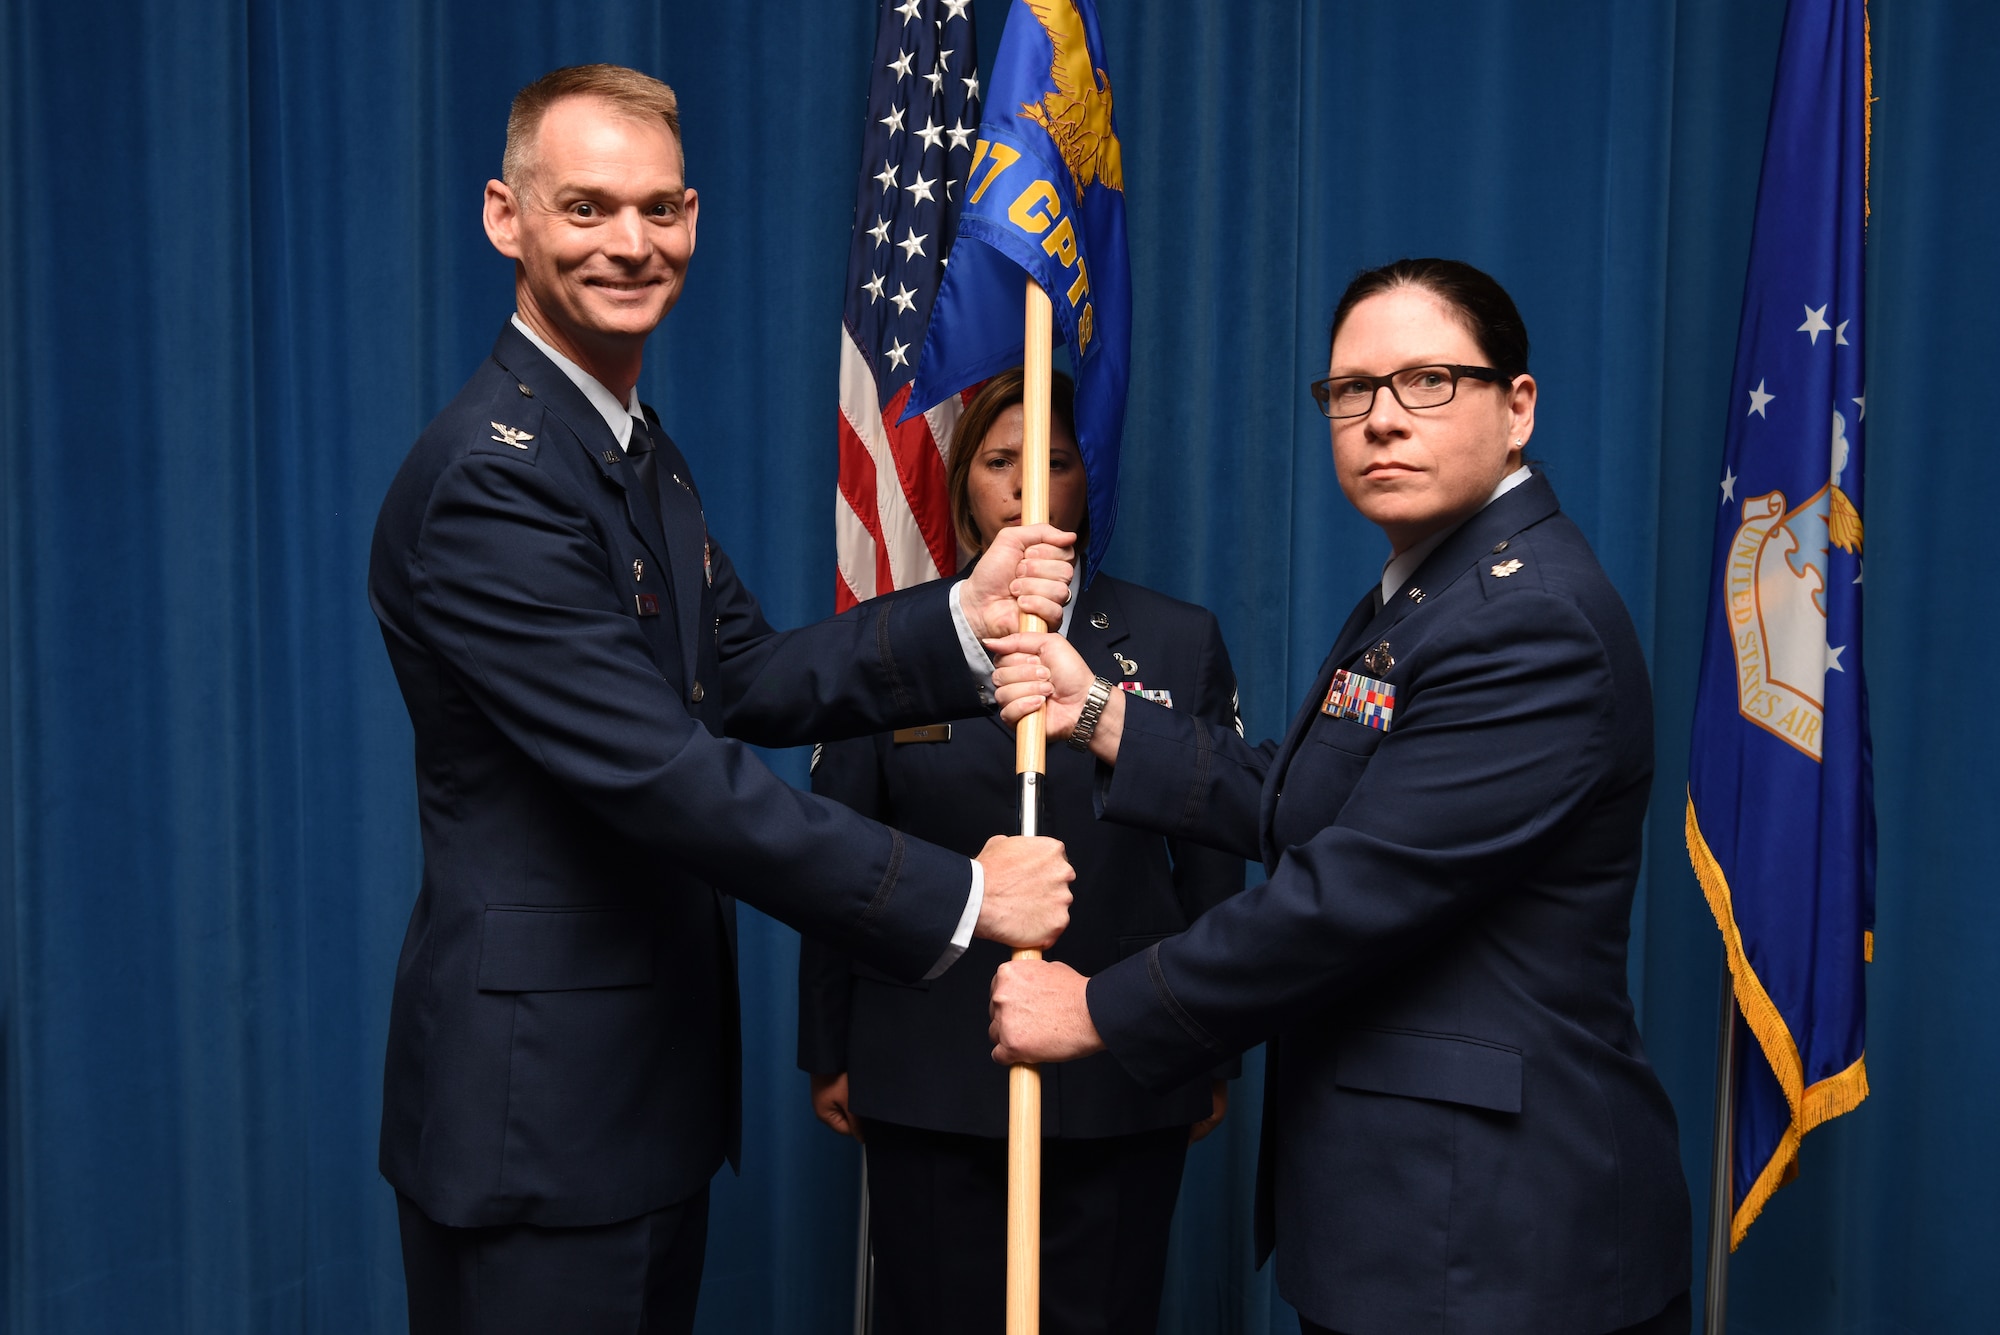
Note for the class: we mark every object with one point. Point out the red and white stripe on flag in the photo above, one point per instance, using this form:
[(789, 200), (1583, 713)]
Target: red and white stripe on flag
[(891, 518)]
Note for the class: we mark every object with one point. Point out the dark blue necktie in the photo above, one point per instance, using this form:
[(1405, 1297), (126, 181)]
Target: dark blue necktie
[(645, 465)]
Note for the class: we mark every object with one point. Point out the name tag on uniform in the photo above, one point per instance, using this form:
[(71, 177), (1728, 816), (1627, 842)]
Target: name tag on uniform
[(1138, 688), (930, 732), (1366, 700)]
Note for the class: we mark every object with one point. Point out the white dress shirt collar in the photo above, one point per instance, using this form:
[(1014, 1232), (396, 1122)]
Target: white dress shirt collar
[(618, 416), (1404, 564)]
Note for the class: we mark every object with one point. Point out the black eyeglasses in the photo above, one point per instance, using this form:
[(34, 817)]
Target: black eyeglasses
[(1414, 387)]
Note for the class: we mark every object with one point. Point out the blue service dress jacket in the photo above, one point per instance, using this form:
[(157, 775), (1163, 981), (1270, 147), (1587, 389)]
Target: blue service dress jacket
[(917, 1053), (579, 669), (1462, 1134)]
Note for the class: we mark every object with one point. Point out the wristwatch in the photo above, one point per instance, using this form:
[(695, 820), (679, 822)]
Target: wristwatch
[(1093, 709)]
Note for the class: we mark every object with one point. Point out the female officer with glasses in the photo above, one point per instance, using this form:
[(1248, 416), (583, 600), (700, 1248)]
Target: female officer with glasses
[(906, 1066), (1462, 1133)]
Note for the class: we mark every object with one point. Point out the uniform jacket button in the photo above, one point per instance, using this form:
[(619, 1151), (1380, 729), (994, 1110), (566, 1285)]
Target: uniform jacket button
[(695, 693)]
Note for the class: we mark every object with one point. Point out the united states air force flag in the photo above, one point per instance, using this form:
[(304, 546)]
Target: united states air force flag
[(1780, 817), (1046, 194)]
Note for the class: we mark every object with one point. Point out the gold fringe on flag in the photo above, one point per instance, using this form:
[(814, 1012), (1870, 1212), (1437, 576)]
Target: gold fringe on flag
[(1811, 1105), (1867, 116)]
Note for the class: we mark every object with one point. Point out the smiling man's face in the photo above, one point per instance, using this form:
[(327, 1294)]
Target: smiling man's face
[(601, 229)]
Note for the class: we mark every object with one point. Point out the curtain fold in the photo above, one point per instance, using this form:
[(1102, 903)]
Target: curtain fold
[(241, 264)]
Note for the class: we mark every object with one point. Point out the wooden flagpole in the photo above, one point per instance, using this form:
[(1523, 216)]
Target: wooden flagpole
[(1024, 1081)]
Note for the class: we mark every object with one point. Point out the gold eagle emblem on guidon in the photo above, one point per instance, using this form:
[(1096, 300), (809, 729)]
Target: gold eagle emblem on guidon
[(1077, 114)]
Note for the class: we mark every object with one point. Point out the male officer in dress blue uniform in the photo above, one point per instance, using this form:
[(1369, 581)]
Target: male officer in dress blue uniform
[(577, 656)]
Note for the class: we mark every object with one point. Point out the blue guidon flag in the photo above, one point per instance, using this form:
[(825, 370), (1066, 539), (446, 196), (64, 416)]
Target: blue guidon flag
[(1046, 195), (1781, 810)]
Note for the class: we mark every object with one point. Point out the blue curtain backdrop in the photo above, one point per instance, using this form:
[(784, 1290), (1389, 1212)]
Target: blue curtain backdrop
[(241, 264)]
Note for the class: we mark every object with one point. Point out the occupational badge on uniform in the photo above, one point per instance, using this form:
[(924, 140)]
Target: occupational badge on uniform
[(1128, 666), (1506, 568), (511, 435), (1379, 659), (1365, 700), (1138, 688)]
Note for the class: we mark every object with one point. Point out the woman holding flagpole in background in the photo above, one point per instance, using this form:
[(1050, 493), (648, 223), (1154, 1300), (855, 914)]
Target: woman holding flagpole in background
[(1462, 1132), (906, 1066)]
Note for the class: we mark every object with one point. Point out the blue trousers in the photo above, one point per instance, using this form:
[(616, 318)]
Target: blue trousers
[(1673, 1320), (635, 1277), (937, 1209)]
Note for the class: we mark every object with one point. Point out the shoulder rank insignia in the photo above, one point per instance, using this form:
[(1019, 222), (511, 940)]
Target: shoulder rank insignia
[(1158, 697), (1367, 701), (1506, 568), (510, 435)]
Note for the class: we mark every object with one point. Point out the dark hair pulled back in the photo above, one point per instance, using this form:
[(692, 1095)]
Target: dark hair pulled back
[(1481, 304)]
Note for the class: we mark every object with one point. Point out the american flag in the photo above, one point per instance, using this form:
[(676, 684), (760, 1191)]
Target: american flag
[(892, 525)]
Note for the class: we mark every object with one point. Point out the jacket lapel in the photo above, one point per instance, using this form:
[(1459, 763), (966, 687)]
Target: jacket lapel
[(560, 397), (687, 544), (1350, 635), (1519, 510)]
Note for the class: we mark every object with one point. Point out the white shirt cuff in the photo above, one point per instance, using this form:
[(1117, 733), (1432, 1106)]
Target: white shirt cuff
[(977, 660), (967, 920)]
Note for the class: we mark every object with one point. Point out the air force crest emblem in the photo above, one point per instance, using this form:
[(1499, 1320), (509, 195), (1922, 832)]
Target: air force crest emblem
[(1776, 589)]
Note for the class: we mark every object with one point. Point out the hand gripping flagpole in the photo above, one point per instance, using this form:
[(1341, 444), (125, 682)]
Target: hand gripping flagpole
[(1024, 1081)]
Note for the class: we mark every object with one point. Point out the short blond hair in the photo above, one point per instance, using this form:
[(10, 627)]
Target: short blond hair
[(640, 96)]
